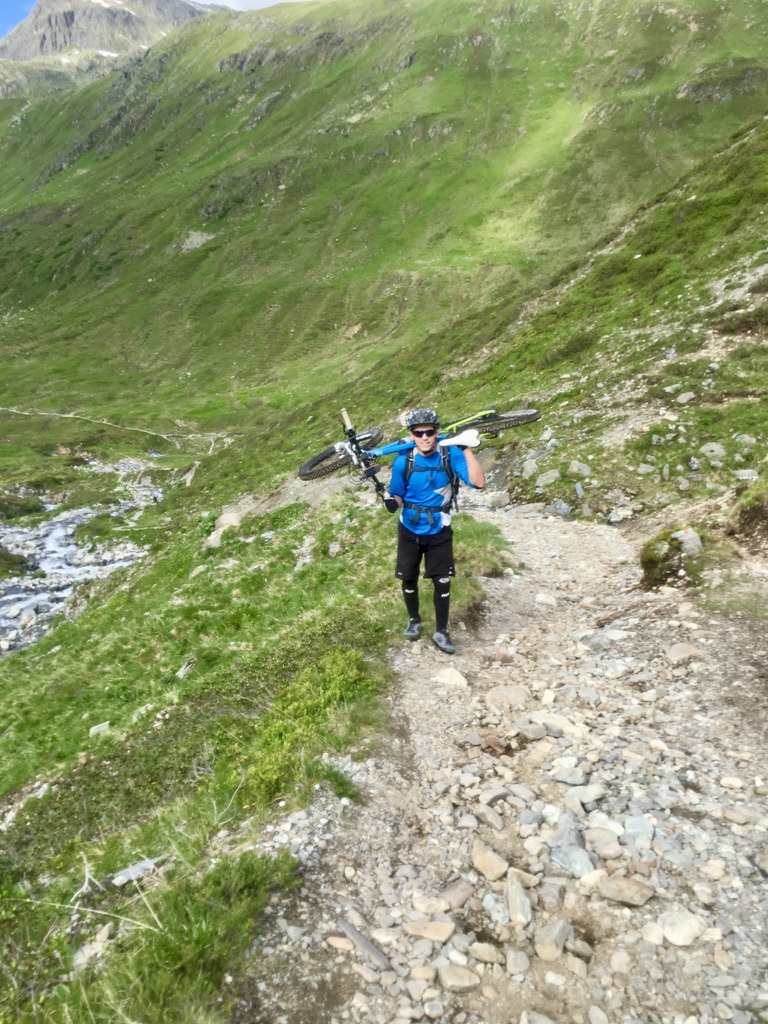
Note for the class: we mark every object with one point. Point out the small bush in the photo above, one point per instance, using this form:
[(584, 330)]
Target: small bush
[(749, 517), (98, 529), (572, 350), (295, 727), (13, 507), (660, 560), (12, 565), (746, 320)]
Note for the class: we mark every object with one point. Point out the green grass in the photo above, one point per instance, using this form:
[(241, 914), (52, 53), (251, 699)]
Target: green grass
[(286, 666), (304, 247), (10, 564), (185, 935), (382, 239)]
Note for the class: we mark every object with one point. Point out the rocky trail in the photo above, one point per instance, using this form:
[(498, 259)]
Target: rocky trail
[(568, 821)]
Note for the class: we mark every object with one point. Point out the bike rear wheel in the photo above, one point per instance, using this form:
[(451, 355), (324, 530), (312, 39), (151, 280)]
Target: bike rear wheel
[(492, 424), (329, 460)]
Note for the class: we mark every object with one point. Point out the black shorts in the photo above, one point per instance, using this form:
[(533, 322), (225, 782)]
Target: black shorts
[(436, 548)]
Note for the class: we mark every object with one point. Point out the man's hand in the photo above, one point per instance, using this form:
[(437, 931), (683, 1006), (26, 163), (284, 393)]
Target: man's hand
[(391, 504), (466, 439)]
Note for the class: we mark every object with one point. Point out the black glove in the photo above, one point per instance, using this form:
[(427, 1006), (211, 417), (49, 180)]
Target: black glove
[(391, 505)]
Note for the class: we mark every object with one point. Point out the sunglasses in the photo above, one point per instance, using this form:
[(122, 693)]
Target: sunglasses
[(424, 433)]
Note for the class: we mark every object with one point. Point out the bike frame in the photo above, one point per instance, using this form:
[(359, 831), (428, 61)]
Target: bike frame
[(366, 457), (360, 455)]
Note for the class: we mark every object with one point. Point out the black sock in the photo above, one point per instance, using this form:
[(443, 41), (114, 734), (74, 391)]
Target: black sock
[(442, 598), (411, 597)]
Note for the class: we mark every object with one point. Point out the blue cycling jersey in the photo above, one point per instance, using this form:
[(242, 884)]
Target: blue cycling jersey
[(431, 489)]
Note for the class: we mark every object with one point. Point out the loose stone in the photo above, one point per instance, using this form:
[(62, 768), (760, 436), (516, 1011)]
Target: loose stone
[(551, 938), (451, 677), (496, 907), (574, 860), (487, 861), (517, 961), (431, 904), (731, 782), (457, 894), (508, 696), (520, 912), (621, 889), (681, 927), (458, 979), (434, 931), (525, 879), (489, 817), (492, 796), (679, 653), (485, 953)]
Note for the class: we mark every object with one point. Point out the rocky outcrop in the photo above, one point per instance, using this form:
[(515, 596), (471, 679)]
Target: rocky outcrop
[(55, 27)]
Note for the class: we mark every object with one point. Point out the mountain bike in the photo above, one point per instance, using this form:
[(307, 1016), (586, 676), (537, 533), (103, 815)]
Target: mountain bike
[(360, 449)]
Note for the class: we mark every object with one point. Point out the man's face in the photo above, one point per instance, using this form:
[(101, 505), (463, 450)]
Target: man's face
[(424, 436)]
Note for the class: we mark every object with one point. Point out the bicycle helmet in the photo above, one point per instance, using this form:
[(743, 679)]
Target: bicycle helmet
[(422, 417)]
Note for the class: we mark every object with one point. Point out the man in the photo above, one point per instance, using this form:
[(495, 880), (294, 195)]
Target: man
[(422, 489)]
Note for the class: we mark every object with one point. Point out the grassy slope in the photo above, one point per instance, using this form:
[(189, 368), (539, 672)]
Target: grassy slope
[(362, 195), (438, 240)]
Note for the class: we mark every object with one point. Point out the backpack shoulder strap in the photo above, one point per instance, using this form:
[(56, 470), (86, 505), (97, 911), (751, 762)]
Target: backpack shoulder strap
[(410, 460), (450, 472), (453, 476)]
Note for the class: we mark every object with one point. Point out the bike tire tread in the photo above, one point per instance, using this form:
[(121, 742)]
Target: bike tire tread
[(492, 426)]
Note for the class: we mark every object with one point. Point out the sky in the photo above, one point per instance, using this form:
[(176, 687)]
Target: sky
[(14, 11)]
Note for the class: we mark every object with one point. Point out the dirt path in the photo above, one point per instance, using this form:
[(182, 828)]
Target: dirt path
[(568, 822), (88, 419)]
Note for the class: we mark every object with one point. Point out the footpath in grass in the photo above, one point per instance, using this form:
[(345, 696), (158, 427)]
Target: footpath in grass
[(223, 674)]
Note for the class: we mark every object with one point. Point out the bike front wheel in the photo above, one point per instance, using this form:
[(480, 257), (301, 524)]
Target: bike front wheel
[(492, 424), (330, 460)]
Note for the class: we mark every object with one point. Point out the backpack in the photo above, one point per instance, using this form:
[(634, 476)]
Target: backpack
[(453, 479)]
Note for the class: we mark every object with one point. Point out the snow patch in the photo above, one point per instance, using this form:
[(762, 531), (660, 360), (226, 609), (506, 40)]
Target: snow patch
[(107, 53)]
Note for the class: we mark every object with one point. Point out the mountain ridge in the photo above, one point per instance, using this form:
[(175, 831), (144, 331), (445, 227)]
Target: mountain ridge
[(57, 27)]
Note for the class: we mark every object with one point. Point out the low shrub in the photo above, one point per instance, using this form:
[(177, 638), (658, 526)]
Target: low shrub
[(295, 728), (13, 507), (12, 565), (749, 517)]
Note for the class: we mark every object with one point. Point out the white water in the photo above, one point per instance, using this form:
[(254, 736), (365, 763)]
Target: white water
[(28, 605)]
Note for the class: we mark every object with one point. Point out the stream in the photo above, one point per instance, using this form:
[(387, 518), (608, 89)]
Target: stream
[(29, 603)]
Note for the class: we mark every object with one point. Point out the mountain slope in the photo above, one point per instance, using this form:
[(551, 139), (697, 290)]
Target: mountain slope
[(261, 185)]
